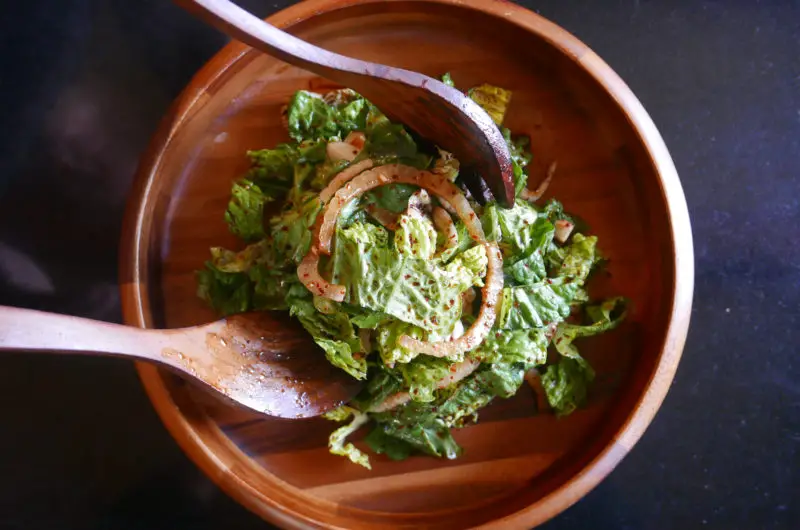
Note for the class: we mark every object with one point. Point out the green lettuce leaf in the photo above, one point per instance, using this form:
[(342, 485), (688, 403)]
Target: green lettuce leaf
[(422, 374), (235, 282), (579, 257), (447, 165), (310, 117), (387, 336), (535, 305), (333, 331), (382, 382), (343, 355), (519, 230), (527, 346), (324, 172), (520, 158), (382, 443), (470, 266), (291, 231), (519, 147), (420, 423), (500, 379), (242, 261), (367, 319), (416, 236), (392, 197), (226, 292), (494, 100), (272, 169), (566, 385), (601, 320), (379, 278), (433, 438), (528, 266), (245, 213), (447, 80), (337, 439), (464, 242), (270, 287)]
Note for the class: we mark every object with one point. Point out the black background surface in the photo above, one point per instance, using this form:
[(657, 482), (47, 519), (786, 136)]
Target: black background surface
[(82, 86)]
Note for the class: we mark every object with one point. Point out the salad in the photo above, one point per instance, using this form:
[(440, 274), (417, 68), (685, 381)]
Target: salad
[(440, 303)]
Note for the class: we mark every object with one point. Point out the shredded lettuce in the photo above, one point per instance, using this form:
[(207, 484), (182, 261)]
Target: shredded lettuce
[(394, 280), (310, 117), (245, 213), (387, 336), (527, 346), (416, 236), (332, 331), (566, 384), (494, 100), (336, 442), (404, 281)]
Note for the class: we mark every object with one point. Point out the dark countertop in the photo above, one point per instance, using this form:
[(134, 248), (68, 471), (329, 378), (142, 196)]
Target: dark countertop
[(83, 86)]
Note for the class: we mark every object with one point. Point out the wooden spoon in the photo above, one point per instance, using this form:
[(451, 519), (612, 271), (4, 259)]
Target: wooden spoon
[(437, 112), (261, 361)]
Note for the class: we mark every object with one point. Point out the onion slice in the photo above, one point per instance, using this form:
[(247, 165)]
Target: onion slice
[(479, 329), (401, 174), (341, 179), (383, 216), (308, 273), (337, 151), (356, 139), (458, 371), (536, 194), (444, 224), (563, 230)]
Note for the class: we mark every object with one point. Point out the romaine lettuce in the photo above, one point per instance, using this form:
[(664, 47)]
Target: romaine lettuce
[(405, 282)]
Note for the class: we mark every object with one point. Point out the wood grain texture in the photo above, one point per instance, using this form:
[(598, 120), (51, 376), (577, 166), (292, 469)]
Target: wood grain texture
[(518, 468)]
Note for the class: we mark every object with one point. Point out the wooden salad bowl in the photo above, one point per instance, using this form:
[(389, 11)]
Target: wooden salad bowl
[(520, 467)]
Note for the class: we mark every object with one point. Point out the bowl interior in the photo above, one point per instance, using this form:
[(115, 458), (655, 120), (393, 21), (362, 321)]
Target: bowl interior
[(514, 456)]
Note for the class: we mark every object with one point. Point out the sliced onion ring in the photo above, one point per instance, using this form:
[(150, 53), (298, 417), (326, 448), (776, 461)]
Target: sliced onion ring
[(458, 371), (383, 216), (479, 329), (563, 230), (536, 194), (444, 224), (401, 174), (340, 179), (308, 273)]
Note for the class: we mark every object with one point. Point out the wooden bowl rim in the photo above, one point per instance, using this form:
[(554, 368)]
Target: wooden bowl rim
[(136, 305)]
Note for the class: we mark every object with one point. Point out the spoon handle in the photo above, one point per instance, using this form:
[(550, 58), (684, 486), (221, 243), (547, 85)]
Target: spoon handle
[(243, 26), (36, 331)]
